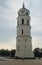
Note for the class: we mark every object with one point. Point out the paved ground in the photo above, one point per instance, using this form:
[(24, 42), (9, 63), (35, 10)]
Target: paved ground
[(4, 58), (21, 62)]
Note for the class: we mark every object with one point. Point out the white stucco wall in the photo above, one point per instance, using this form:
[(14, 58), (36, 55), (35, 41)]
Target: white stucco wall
[(23, 41)]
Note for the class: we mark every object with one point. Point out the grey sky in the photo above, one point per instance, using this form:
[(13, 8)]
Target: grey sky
[(8, 15)]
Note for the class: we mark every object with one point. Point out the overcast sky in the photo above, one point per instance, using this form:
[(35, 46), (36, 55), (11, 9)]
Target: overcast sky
[(8, 22)]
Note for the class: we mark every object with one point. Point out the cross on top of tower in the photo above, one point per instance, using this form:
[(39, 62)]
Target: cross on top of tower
[(23, 5)]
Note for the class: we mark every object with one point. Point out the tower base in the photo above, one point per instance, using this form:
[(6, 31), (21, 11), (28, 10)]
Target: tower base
[(25, 58), (21, 55)]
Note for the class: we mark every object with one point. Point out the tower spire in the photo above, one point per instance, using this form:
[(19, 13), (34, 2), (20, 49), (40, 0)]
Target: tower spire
[(23, 5)]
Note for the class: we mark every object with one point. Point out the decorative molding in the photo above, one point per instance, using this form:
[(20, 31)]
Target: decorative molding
[(23, 25), (24, 36)]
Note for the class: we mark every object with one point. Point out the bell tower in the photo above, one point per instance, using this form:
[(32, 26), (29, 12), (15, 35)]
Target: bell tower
[(23, 39)]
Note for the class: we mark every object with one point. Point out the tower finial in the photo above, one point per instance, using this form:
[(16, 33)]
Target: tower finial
[(23, 5)]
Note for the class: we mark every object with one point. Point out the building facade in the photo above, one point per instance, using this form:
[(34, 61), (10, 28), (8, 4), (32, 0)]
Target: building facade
[(23, 39)]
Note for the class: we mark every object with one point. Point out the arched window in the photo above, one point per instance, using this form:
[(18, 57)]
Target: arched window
[(18, 40), (27, 21), (25, 46), (22, 31), (25, 40), (22, 21), (26, 13), (22, 11), (18, 48)]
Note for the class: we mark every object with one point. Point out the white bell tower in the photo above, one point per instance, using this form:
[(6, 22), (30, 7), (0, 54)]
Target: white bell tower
[(23, 39)]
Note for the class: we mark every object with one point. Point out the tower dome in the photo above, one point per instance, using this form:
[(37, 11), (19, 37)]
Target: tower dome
[(23, 11)]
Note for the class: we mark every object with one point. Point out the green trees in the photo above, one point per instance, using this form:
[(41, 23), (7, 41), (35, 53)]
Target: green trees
[(6, 52), (2, 52), (12, 53), (38, 52)]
